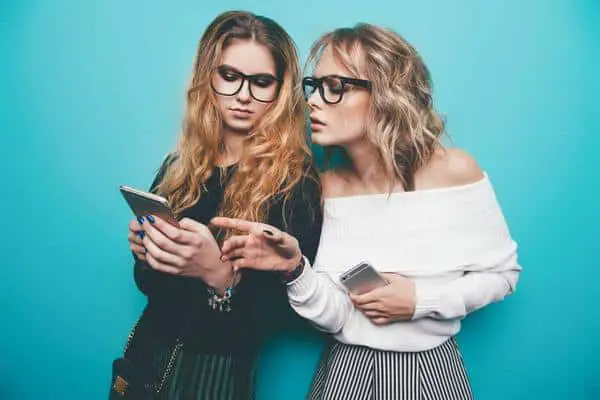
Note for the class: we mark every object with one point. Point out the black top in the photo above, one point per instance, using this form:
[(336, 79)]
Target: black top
[(260, 304)]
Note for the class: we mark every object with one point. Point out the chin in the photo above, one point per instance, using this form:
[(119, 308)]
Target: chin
[(240, 126), (321, 139), (317, 138)]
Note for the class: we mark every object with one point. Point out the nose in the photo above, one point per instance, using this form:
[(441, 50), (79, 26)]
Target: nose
[(315, 100), (243, 96)]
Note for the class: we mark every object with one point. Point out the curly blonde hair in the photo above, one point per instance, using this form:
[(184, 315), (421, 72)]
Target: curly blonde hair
[(402, 122), (275, 152)]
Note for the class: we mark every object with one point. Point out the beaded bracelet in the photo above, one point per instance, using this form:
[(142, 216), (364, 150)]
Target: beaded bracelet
[(221, 303)]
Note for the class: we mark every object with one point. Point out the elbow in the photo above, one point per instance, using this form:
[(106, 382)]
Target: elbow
[(322, 320), (331, 329), (512, 278), (335, 326), (141, 278)]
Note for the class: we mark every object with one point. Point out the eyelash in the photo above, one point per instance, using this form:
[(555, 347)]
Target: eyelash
[(260, 81), (229, 76)]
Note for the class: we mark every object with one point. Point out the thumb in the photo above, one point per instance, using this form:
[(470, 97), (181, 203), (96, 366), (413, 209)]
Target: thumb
[(191, 225)]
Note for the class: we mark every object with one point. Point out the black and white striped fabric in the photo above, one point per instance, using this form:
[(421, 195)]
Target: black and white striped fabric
[(349, 372)]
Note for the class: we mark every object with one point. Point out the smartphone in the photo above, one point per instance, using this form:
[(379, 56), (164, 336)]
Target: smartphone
[(145, 203), (362, 278)]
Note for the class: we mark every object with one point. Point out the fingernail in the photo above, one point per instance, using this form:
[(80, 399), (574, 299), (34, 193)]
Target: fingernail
[(268, 232), (140, 220), (141, 234), (151, 219)]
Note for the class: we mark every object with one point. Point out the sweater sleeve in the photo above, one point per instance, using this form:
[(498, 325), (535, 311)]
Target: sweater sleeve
[(314, 296), (474, 290)]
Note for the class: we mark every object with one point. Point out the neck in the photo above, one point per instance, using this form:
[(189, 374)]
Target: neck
[(367, 167), (233, 146)]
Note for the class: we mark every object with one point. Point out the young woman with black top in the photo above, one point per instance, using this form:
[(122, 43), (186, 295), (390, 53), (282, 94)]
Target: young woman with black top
[(242, 154)]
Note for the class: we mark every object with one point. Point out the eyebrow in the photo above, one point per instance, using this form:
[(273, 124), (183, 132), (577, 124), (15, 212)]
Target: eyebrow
[(334, 76), (234, 69)]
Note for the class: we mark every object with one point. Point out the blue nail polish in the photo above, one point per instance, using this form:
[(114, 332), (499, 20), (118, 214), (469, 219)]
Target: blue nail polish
[(140, 220), (141, 234), (150, 219)]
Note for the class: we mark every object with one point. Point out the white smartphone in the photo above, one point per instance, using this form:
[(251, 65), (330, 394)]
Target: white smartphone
[(362, 278), (145, 203)]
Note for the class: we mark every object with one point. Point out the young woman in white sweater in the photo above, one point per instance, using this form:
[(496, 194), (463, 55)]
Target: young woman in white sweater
[(424, 216)]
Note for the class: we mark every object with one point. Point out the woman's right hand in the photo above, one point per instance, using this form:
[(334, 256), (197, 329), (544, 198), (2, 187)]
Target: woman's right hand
[(136, 236), (260, 246)]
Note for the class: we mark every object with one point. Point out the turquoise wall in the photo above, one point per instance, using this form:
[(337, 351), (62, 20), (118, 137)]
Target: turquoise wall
[(91, 96)]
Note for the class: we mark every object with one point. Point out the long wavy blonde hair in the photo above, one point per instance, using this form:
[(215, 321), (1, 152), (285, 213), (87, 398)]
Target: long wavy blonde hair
[(402, 122), (275, 152)]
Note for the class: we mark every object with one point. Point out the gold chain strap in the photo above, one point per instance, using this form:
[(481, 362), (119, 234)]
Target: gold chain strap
[(130, 337), (170, 366), (157, 388)]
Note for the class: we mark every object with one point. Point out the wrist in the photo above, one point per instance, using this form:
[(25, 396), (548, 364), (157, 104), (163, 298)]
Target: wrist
[(221, 277), (295, 270), (294, 263)]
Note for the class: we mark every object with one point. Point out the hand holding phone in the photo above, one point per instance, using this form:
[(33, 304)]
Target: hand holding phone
[(362, 278), (187, 247), (145, 203)]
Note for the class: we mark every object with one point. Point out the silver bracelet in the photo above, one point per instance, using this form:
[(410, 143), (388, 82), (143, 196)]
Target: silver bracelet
[(221, 303)]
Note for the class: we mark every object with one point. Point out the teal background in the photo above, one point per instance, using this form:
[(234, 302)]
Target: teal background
[(91, 96)]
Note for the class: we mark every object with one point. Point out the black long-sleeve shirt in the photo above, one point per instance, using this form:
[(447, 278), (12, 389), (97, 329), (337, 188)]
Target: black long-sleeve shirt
[(259, 305)]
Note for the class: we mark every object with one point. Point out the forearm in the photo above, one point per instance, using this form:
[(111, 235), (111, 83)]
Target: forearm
[(469, 293)]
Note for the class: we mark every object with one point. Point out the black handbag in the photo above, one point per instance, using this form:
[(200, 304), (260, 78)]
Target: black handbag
[(133, 381)]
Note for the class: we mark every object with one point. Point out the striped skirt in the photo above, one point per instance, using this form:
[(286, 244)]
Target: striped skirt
[(360, 373), (195, 375), (199, 376)]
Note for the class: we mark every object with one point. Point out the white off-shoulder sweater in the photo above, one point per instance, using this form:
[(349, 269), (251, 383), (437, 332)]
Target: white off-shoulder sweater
[(452, 242)]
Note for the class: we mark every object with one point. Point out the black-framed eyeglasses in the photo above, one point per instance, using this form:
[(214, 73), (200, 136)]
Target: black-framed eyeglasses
[(228, 81), (332, 87)]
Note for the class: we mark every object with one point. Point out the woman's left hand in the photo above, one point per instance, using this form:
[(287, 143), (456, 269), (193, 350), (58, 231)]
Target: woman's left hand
[(394, 302)]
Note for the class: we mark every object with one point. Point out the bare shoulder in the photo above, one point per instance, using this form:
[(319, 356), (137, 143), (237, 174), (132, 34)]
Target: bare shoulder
[(334, 183), (450, 167)]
